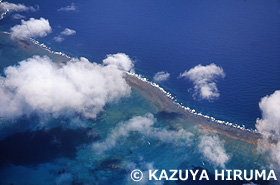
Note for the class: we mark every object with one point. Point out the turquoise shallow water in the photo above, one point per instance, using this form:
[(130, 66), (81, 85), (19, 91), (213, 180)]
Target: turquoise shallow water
[(57, 152), (242, 36), (173, 36)]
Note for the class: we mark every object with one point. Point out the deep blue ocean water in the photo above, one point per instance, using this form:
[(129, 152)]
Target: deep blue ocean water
[(242, 36)]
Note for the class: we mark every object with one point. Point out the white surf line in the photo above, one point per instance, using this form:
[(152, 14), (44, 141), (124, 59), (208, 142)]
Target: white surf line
[(193, 111), (4, 13), (42, 45), (168, 94)]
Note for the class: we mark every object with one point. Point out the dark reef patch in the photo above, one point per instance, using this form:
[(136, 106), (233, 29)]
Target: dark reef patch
[(164, 115)]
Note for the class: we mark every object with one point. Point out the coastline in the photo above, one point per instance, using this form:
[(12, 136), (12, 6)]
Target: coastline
[(158, 97), (165, 102), (31, 46)]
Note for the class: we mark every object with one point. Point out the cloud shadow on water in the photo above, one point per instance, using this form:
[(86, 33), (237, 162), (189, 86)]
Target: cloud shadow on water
[(34, 147)]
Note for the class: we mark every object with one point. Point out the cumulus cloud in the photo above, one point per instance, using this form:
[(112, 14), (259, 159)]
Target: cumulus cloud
[(11, 7), (213, 150), (161, 76), (143, 125), (63, 34), (68, 8), (204, 80), (38, 84), (32, 28), (120, 60), (269, 125)]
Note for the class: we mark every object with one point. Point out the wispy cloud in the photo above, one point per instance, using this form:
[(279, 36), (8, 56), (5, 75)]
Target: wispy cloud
[(213, 150), (63, 34), (32, 28), (68, 8), (11, 7), (145, 167), (6, 7), (161, 76), (143, 125), (79, 86), (65, 178), (18, 16), (204, 80), (68, 32), (59, 38)]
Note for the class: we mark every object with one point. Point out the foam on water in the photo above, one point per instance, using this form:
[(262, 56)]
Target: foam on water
[(190, 110), (138, 150), (142, 78)]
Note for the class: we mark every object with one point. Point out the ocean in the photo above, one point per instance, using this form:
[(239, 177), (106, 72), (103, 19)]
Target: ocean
[(241, 36)]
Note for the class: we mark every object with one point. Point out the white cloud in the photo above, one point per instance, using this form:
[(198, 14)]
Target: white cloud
[(11, 7), (6, 7), (274, 150), (58, 38), (120, 60), (143, 125), (68, 8), (213, 150), (68, 32), (18, 16), (145, 167), (63, 34), (161, 76), (269, 125), (31, 28), (203, 78), (38, 84)]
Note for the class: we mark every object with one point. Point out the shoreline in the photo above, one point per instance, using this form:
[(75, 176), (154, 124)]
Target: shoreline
[(38, 44), (165, 102), (193, 111)]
